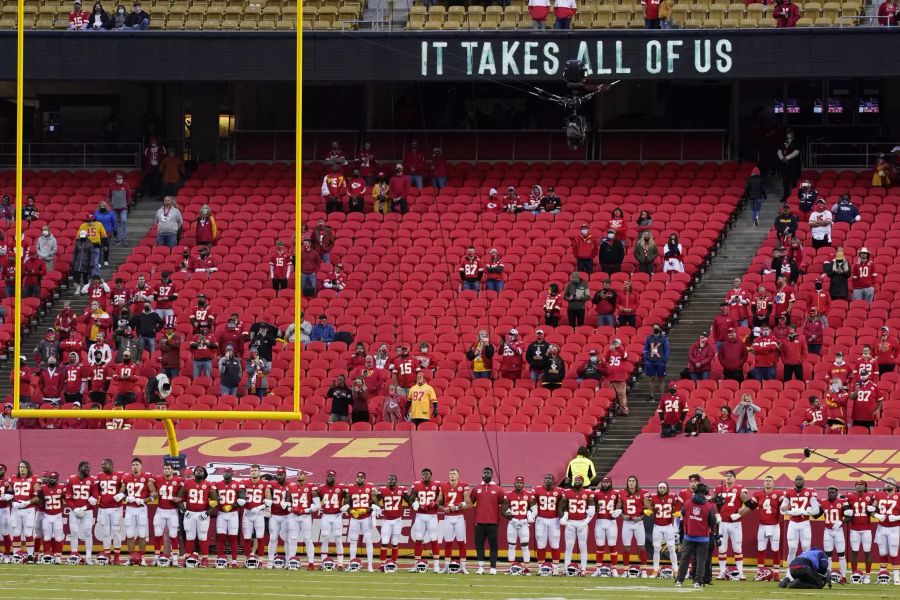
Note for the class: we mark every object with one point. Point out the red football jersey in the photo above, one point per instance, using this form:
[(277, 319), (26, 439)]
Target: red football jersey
[(360, 497), (427, 495), (815, 417), (280, 265), (72, 377), (279, 495), (126, 376), (109, 485), (862, 408), (769, 506), (301, 497), (97, 293), (455, 494), (168, 491), (54, 498), (548, 502), (833, 511), (632, 504), (137, 486), (196, 495), (888, 504), (578, 503), (665, 507), (162, 292), (98, 377), (519, 502), (331, 497), (202, 317), (78, 490), (24, 488), (836, 405), (800, 499), (732, 500), (392, 501), (228, 492), (405, 369), (859, 503), (606, 503), (255, 490), (119, 298), (869, 366), (4, 487)]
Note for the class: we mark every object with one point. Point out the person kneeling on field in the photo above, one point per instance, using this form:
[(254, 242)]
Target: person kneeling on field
[(808, 571)]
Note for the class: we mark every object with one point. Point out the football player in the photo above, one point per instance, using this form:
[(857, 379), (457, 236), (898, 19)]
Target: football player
[(165, 519), (279, 509), (52, 496), (860, 504), (252, 496), (331, 527), (451, 502), (109, 515), (391, 498), (633, 501), (139, 488), (546, 511), (514, 507), (606, 529), (423, 497), (227, 519), (799, 503), (304, 503), (198, 499), (665, 507), (833, 539), (887, 533), (577, 511), (24, 485), (768, 537), (5, 498), (358, 502), (81, 498), (734, 497)]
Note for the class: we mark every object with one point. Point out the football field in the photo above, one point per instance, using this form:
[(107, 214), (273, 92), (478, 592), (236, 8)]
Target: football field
[(65, 582)]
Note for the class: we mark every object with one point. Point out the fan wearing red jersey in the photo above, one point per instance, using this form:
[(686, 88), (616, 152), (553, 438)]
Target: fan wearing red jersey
[(451, 502), (304, 502), (331, 526), (578, 510), (767, 502), (227, 519), (860, 504), (546, 511), (358, 502), (735, 496), (279, 507), (109, 514), (514, 507), (52, 497), (139, 489), (887, 533), (391, 498), (606, 527), (833, 536), (665, 507), (198, 499), (252, 497), (165, 519), (423, 497), (81, 498), (404, 368), (799, 503), (633, 500), (865, 402), (24, 485)]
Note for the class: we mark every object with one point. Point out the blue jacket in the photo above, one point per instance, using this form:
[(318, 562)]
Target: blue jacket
[(109, 221), (322, 333), (663, 341), (817, 559)]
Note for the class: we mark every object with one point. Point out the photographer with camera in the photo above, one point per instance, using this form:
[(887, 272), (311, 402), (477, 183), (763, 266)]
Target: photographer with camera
[(697, 424)]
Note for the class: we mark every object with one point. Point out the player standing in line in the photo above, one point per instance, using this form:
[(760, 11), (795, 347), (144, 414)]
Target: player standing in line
[(81, 498), (139, 489), (279, 509), (391, 497), (606, 528), (198, 499), (833, 539), (39, 519), (633, 501), (514, 507), (358, 502), (768, 536), (860, 504), (799, 503), (52, 497), (227, 519), (665, 506), (577, 511), (331, 525), (423, 497), (5, 497), (165, 519), (109, 517), (451, 502), (735, 496), (887, 533), (304, 502), (252, 496), (24, 485), (546, 509)]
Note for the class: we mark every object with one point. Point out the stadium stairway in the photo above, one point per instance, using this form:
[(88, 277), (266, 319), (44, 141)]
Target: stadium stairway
[(141, 219), (731, 260)]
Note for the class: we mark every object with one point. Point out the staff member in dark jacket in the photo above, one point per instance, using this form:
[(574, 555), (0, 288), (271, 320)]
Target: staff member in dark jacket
[(486, 498), (755, 192), (612, 253), (699, 520), (809, 571), (786, 223)]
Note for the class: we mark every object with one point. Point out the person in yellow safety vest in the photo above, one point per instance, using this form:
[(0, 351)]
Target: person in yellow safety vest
[(583, 466)]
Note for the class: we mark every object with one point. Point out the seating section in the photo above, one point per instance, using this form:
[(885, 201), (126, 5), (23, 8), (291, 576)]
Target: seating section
[(850, 324)]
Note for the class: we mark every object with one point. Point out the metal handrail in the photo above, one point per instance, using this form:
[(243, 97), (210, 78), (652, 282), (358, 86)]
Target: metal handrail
[(844, 155), (76, 155)]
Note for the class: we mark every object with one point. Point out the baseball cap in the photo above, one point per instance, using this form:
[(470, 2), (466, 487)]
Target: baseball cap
[(884, 328), (863, 249), (593, 352), (513, 331), (493, 192), (520, 479), (703, 334), (541, 331), (732, 329)]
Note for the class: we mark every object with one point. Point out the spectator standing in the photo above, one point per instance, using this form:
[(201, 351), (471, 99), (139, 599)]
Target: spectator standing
[(230, 373), (202, 352), (576, 295), (820, 220), (334, 189), (585, 248), (673, 256), (656, 358), (745, 415), (761, 307), (374, 377), (381, 195), (359, 404), (591, 369), (33, 271), (738, 301), (672, 411), (440, 170), (536, 355), (755, 193), (555, 371), (844, 211), (50, 383), (481, 355), (341, 399), (47, 348), (886, 350), (820, 301), (7, 421), (172, 168), (138, 20), (29, 211), (493, 269), (356, 191), (538, 10), (95, 233), (700, 357), (323, 331), (644, 222), (257, 375), (783, 299), (422, 401), (725, 423), (323, 239), (789, 150), (765, 350), (605, 302), (79, 20), (646, 253), (281, 262), (793, 352), (119, 197), (164, 295), (651, 14), (127, 344), (838, 272), (170, 351), (471, 272), (366, 163), (399, 191), (108, 219), (512, 353), (205, 230), (786, 14), (564, 10), (888, 12), (393, 408), (611, 254), (786, 224), (814, 331), (263, 337), (310, 261), (335, 155), (863, 277), (168, 223), (147, 324), (627, 305), (415, 164), (722, 323), (698, 423), (617, 372), (619, 225)]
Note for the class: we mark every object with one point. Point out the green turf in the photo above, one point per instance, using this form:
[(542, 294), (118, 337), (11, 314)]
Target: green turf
[(65, 582)]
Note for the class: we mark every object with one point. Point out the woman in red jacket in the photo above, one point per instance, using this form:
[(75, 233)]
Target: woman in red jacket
[(700, 357)]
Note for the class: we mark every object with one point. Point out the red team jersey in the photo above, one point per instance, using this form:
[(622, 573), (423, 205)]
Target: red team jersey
[(119, 298), (578, 503), (732, 498), (196, 495), (98, 377), (72, 379), (4, 489), (518, 503), (360, 497), (664, 508), (256, 492), (161, 292), (548, 502), (888, 504), (869, 366), (833, 512), (800, 499), (167, 490), (859, 503), (392, 502), (126, 376), (137, 486), (606, 503), (279, 495), (427, 495), (78, 491), (24, 488), (405, 369), (301, 497), (54, 498), (331, 496), (108, 486), (769, 506), (862, 408), (227, 492), (455, 494), (632, 504)]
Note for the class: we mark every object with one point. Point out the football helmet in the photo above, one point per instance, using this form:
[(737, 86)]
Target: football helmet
[(279, 562), (454, 567), (421, 567), (856, 577), (354, 566), (19, 557), (635, 572), (102, 559), (389, 567), (252, 562), (516, 569), (836, 577), (666, 573), (74, 559), (764, 574), (884, 578), (191, 561), (327, 564), (221, 562), (293, 564), (136, 559), (573, 571), (734, 574), (47, 559), (162, 561), (545, 570), (603, 571)]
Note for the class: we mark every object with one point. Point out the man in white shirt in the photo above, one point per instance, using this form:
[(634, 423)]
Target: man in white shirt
[(820, 220)]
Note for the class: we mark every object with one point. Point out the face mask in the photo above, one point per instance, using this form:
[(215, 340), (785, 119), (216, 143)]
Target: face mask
[(593, 359), (610, 236), (127, 359), (657, 331), (146, 310), (46, 234), (584, 232)]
